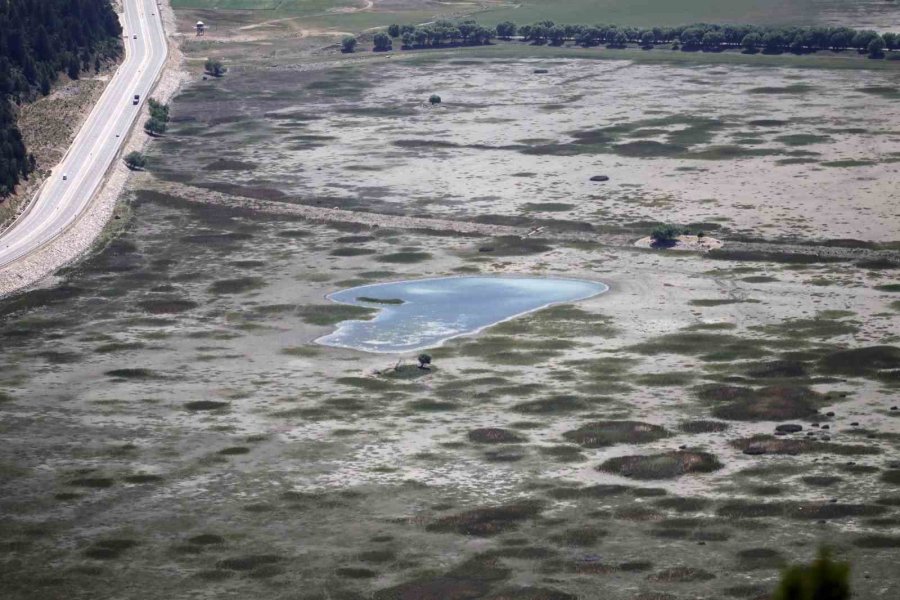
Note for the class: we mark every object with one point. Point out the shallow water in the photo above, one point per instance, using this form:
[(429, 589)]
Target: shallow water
[(435, 310)]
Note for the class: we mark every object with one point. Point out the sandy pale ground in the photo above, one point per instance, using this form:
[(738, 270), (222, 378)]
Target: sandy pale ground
[(80, 236)]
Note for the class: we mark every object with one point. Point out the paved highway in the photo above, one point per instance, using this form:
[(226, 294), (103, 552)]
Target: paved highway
[(68, 191)]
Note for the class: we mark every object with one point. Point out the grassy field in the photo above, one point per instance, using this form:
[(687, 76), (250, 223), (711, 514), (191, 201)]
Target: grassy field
[(328, 13), (658, 12)]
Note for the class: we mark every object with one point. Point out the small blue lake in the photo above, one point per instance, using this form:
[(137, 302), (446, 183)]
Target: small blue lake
[(424, 313)]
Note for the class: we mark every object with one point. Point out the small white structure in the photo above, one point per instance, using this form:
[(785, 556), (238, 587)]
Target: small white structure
[(200, 27)]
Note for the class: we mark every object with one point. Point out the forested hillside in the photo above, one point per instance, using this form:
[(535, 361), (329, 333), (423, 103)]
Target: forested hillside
[(39, 39)]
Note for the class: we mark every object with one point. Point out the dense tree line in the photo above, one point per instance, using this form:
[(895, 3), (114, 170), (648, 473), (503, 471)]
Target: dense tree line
[(698, 37), (39, 39), (439, 33)]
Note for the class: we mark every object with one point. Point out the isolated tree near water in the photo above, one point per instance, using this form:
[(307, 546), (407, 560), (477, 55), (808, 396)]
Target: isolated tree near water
[(214, 67), (382, 42), (424, 361), (665, 235), (434, 99), (824, 579), (348, 44), (135, 160)]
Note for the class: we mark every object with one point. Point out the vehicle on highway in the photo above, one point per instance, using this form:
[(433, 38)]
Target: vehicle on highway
[(137, 98), (65, 177), (135, 37)]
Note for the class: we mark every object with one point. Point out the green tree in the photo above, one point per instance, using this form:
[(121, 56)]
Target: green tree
[(154, 126), (215, 67), (824, 579), (382, 42), (135, 160), (73, 69), (751, 43), (407, 39), (891, 40), (394, 30), (647, 39), (348, 44), (618, 40), (712, 41), (434, 99), (773, 42), (557, 35), (158, 110), (876, 47), (862, 39), (665, 235), (506, 30), (424, 361), (691, 38)]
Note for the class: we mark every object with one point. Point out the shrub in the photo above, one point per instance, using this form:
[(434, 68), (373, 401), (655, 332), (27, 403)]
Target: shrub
[(424, 361), (155, 126), (394, 30), (158, 110), (665, 235), (824, 579), (135, 160), (434, 99), (348, 44), (214, 67)]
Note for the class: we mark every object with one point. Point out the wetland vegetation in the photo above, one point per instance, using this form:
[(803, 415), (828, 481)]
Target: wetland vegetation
[(708, 421)]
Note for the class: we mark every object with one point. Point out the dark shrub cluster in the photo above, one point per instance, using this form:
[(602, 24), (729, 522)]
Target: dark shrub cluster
[(705, 37)]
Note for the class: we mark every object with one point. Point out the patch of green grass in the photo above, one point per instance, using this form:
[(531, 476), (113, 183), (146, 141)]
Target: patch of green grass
[(711, 345), (818, 327), (348, 252), (404, 257), (797, 88), (547, 206), (709, 302), (371, 300), (109, 549), (848, 163), (671, 379), (802, 139), (773, 403), (365, 383), (599, 434), (331, 314), (238, 285), (132, 373), (488, 521), (667, 465)]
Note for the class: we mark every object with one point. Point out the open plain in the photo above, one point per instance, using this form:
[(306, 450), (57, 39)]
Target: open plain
[(171, 430)]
